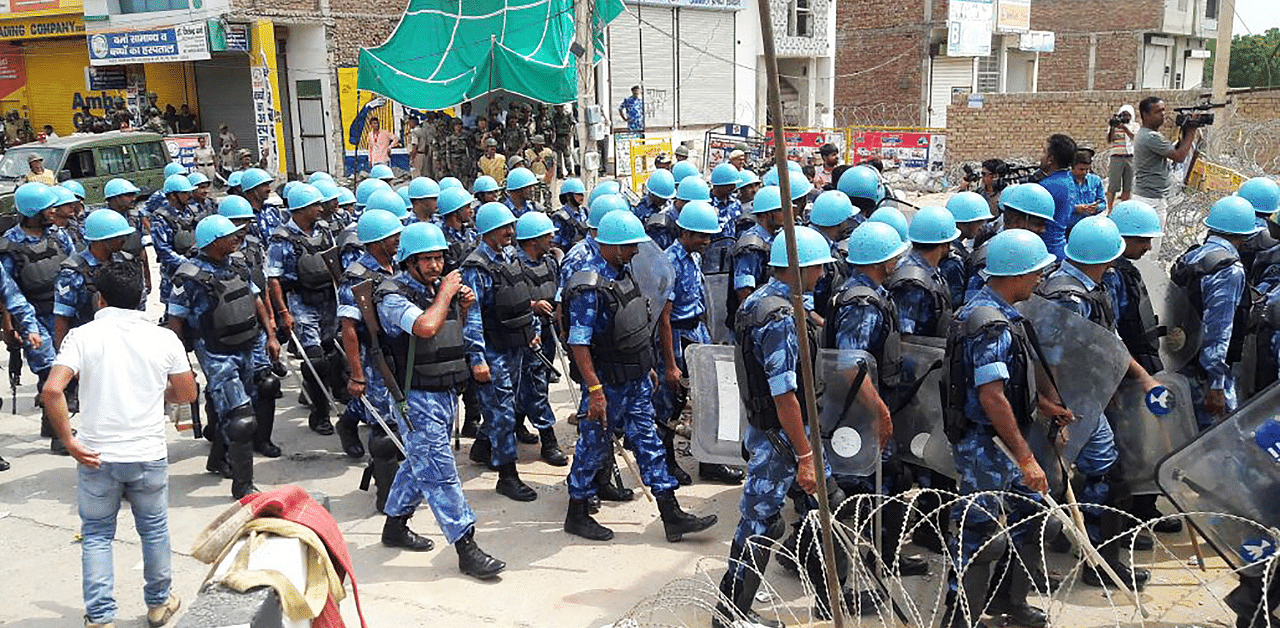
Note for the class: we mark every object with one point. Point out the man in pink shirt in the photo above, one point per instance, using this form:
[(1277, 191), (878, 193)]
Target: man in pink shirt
[(380, 143)]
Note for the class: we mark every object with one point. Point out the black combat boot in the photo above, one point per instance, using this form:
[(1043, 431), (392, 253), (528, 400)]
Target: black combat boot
[(523, 435), (609, 486), (482, 451), (348, 429), (510, 485), (673, 467), (384, 462), (676, 522), (473, 561), (551, 452), (720, 474), (470, 410), (578, 522), (396, 533), (240, 428), (740, 592), (264, 410), (217, 463)]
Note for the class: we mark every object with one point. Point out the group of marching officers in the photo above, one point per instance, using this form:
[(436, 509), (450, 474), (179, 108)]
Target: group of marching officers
[(399, 301)]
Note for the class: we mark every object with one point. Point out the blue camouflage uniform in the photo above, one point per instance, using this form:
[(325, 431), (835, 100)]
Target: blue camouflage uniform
[(630, 403), (375, 389), (40, 359), (571, 226), (71, 300), (729, 210), (519, 210), (751, 268), (163, 235), (1221, 292), (430, 470), (576, 259), (506, 366), (313, 323), (648, 207), (153, 202), (688, 306), (270, 218), (986, 357), (917, 310), (44, 310), (534, 385), (952, 268)]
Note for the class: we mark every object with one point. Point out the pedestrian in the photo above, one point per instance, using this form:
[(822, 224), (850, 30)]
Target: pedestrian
[(128, 369), (1120, 134), (1086, 193), (38, 174), (185, 121), (1059, 154), (632, 110), (379, 143), (823, 175), (48, 132)]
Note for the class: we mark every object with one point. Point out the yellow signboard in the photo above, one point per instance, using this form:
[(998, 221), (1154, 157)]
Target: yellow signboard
[(38, 27), (1210, 177), (265, 80), (644, 152)]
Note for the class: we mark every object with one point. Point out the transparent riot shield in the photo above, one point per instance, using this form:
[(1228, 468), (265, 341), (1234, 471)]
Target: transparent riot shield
[(917, 421), (850, 441), (1144, 437), (1233, 468), (654, 276), (1183, 329), (719, 420), (1087, 362), (716, 269)]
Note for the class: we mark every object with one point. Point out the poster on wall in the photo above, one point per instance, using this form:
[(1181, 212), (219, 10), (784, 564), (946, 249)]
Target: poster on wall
[(719, 145), (356, 107), (644, 153), (969, 26), (898, 149), (803, 145), (622, 151), (265, 90), (183, 147)]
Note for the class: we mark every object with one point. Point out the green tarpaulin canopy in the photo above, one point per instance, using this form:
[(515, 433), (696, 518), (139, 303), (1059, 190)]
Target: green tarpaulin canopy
[(445, 52)]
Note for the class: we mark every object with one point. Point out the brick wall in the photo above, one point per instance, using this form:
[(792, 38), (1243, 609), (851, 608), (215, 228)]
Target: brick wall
[(872, 32)]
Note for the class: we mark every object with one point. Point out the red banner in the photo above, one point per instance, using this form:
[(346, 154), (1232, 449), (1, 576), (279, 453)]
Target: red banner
[(13, 71), (904, 149)]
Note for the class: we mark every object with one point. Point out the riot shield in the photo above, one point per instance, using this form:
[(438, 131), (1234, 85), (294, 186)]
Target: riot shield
[(1087, 362), (1182, 321), (850, 441), (917, 419), (1144, 437), (716, 268), (654, 276), (719, 420), (1232, 468)]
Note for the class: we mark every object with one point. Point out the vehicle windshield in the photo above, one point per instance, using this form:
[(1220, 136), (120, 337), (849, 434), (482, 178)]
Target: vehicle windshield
[(14, 164)]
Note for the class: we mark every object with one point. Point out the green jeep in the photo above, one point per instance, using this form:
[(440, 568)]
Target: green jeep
[(91, 159)]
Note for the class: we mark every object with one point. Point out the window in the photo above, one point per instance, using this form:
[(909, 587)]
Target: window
[(114, 160), (799, 18), (149, 156), (1211, 9), (988, 74), (149, 6), (80, 163)]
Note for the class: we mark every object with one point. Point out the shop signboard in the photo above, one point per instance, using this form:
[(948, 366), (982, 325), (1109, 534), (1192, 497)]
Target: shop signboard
[(644, 153), (183, 147), (101, 78), (184, 42), (969, 26)]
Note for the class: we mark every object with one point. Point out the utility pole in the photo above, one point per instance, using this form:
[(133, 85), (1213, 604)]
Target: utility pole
[(1221, 70), (586, 85)]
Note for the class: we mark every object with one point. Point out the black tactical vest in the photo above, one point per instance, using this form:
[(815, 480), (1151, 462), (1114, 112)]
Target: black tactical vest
[(1136, 322), (1019, 389), (133, 241), (231, 325), (184, 229), (543, 277), (314, 283), (254, 253), (1062, 286), (911, 275), (889, 354), (1251, 247), (1189, 277), (753, 383), (660, 225), (508, 322), (459, 249), (576, 229), (746, 242), (78, 264), (439, 362), (36, 268), (1262, 262), (625, 351)]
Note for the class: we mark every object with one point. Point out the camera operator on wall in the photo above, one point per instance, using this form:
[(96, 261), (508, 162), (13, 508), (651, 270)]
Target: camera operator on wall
[(1120, 136)]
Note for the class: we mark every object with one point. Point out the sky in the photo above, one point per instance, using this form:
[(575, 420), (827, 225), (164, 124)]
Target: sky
[(1257, 16)]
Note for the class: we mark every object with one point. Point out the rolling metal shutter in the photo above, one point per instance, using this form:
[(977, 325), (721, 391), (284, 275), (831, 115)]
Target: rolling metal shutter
[(947, 73), (624, 63), (703, 77), (226, 96)]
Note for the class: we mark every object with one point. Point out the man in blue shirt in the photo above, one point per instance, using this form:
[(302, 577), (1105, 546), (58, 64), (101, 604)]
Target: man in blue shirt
[(173, 227), (1088, 198), (1059, 153), (632, 110), (533, 249)]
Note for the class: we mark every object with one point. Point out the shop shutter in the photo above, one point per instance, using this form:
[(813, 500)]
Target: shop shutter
[(947, 73), (226, 95), (624, 63), (55, 74), (704, 76)]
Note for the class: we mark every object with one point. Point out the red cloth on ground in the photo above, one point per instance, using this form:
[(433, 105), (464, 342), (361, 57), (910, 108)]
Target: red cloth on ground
[(292, 503)]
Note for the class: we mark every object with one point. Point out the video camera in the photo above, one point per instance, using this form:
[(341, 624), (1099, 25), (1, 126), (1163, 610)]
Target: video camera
[(1195, 117), (1118, 120)]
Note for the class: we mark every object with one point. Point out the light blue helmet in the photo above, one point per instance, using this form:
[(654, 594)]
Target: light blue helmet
[(768, 199), (572, 186), (532, 225), (874, 243), (253, 177), (861, 182), (329, 191), (621, 228), (699, 217), (288, 187), (233, 179), (387, 201), (692, 188), (604, 205), (303, 196), (1262, 192), (1232, 215), (75, 188), (725, 174), (346, 197), (661, 184), (745, 178), (450, 182), (453, 199), (830, 209), (683, 169), (1014, 252), (104, 224), (235, 207), (33, 198), (969, 207), (521, 178), (319, 176), (932, 225), (212, 227), (604, 187), (423, 187), (485, 183), (811, 249), (420, 237), (177, 183), (1136, 219), (118, 186), (492, 216), (403, 192), (1029, 198), (1094, 240), (173, 168), (366, 189), (893, 217), (377, 224), (198, 179), (63, 196), (800, 184), (381, 171)]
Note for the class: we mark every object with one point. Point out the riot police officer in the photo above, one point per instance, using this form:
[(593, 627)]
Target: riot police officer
[(423, 193), (76, 299), (918, 289), (1026, 206), (660, 188), (832, 217), (1264, 194), (215, 297), (255, 186), (610, 340), (533, 250), (158, 198), (970, 212), (498, 330), (173, 229), (419, 305), (751, 251), (520, 191), (122, 196), (748, 185), (486, 189), (200, 200), (724, 180), (863, 186), (570, 220)]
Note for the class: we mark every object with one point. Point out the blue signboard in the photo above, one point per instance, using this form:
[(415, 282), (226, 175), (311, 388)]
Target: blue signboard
[(185, 42)]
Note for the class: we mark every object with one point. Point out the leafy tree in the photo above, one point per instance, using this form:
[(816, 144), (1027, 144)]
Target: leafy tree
[(1255, 60)]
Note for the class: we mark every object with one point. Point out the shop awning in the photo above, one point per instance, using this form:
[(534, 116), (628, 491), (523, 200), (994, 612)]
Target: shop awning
[(445, 52)]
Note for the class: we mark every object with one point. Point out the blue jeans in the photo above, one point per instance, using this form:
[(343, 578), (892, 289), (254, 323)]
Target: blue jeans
[(146, 486)]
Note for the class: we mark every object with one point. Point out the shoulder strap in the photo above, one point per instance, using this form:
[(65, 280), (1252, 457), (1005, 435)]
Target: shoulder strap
[(985, 318), (909, 273), (750, 242)]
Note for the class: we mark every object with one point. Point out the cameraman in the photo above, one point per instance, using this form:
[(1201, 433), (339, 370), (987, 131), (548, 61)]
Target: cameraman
[(1152, 154), (1120, 136), (989, 181)]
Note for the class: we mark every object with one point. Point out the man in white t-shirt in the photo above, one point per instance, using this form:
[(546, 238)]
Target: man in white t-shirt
[(128, 369)]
